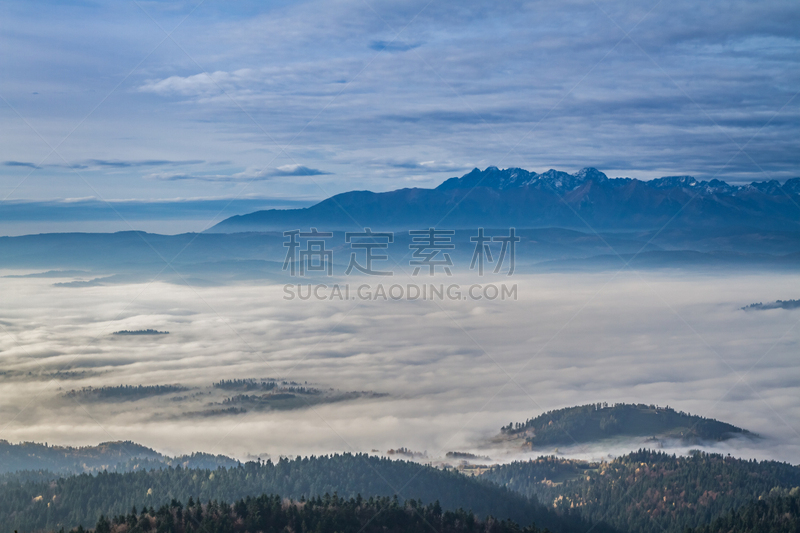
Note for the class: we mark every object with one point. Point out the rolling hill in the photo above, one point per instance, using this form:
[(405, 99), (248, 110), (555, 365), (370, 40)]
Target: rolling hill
[(112, 456), (779, 513), (648, 491), (595, 422), (28, 503)]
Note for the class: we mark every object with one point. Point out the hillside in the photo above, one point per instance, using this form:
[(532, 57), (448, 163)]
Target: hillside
[(112, 456), (74, 500), (594, 422), (780, 513), (648, 491), (328, 514), (517, 198)]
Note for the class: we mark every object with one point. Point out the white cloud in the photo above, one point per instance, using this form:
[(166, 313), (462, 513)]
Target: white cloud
[(199, 85), (620, 342), (242, 177)]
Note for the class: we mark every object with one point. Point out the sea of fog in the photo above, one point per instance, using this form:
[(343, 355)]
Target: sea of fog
[(454, 371)]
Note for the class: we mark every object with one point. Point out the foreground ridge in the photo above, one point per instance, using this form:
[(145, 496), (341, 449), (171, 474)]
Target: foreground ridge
[(321, 514), (648, 491), (38, 501)]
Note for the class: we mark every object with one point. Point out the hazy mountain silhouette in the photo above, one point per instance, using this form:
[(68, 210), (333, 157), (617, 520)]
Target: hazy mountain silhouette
[(516, 197), (565, 222)]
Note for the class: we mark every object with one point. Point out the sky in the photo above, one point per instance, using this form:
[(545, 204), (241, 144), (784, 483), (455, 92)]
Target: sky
[(295, 101), (455, 371)]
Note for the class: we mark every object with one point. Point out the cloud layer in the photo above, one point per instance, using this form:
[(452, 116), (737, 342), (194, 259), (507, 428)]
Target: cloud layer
[(455, 371)]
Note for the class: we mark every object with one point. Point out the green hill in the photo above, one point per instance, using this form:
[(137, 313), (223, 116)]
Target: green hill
[(32, 504), (594, 422), (326, 514), (780, 513), (112, 456), (647, 491)]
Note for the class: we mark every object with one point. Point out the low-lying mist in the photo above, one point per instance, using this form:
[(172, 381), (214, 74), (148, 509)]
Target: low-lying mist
[(453, 371)]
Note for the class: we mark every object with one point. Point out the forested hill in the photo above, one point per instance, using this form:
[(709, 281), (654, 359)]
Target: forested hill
[(68, 502), (321, 514), (113, 456), (647, 491), (593, 422), (780, 513)]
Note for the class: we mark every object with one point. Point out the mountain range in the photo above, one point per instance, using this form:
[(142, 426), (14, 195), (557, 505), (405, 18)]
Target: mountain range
[(515, 197), (566, 222)]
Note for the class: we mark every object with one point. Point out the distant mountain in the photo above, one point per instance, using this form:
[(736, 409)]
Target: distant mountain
[(75, 260), (595, 422), (515, 197), (112, 456), (517, 178)]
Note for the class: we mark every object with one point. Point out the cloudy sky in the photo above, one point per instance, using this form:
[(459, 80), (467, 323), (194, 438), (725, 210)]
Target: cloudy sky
[(150, 100)]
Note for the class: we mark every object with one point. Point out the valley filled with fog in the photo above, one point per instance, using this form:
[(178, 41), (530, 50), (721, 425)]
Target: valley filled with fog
[(431, 376)]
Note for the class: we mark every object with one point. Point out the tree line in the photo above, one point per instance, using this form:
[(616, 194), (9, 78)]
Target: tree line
[(271, 513), (648, 491), (80, 500)]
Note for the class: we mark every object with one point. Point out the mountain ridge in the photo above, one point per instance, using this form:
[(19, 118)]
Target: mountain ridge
[(518, 198), (515, 177)]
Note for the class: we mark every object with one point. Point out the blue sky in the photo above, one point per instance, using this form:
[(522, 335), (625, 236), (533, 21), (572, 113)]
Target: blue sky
[(152, 100)]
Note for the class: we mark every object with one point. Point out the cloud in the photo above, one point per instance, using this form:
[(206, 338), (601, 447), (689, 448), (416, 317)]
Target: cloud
[(203, 84), (424, 166), (20, 164), (116, 163), (110, 163), (448, 390), (179, 176), (296, 170), (246, 176), (122, 164), (393, 46)]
